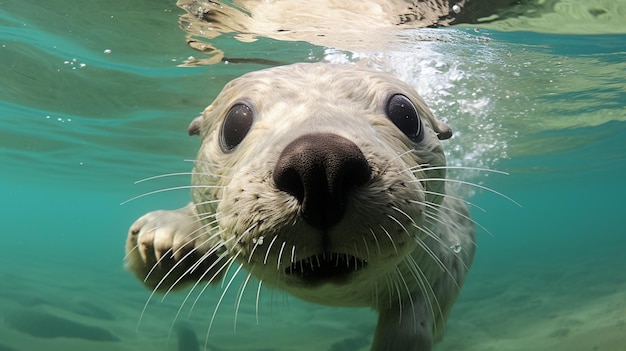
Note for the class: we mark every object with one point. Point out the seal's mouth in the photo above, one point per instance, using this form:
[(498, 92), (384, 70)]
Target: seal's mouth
[(326, 267)]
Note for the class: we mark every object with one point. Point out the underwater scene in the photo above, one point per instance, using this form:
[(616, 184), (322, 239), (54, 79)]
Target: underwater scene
[(95, 103)]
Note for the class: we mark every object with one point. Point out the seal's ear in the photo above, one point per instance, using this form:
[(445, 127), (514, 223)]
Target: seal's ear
[(442, 130), (194, 126)]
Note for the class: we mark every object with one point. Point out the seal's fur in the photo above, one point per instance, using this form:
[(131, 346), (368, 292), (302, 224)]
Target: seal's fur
[(310, 177)]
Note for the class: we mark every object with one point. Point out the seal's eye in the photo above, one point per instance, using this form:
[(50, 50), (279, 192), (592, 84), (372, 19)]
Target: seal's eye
[(402, 113), (236, 126)]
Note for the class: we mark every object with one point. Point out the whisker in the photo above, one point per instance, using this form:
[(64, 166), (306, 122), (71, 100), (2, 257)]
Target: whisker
[(207, 202), (186, 272), (258, 297), (172, 254), (163, 176), (197, 264), (217, 261), (176, 282), (243, 287), (403, 213), (396, 285), (436, 207), (454, 198), (408, 293), (182, 187), (219, 302), (422, 244), (267, 253), (226, 265), (367, 249), (396, 157), (434, 220), (467, 183), (433, 236), (425, 287), (445, 245), (280, 254), (401, 226), (390, 238), (356, 253), (156, 264), (429, 251), (467, 168), (376, 240), (419, 241), (256, 244), (293, 254), (160, 283)]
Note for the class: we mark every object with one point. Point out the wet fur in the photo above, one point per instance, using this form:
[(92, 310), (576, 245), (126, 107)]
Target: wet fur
[(417, 239)]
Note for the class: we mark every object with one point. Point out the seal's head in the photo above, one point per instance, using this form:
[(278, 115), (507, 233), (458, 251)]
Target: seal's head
[(319, 179)]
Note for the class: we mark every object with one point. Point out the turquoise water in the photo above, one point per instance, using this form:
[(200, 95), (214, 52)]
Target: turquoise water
[(79, 124)]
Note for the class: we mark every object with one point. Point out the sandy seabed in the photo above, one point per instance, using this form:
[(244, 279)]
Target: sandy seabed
[(68, 307)]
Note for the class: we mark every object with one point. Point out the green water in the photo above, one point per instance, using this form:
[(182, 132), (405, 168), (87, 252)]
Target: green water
[(79, 124)]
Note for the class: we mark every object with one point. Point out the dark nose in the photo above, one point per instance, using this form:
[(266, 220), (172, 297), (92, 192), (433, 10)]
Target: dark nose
[(320, 170)]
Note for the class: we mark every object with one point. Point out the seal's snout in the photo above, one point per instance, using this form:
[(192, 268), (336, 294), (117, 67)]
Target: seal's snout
[(320, 170)]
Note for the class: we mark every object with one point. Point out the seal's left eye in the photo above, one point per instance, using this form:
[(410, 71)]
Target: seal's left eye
[(404, 115), (236, 126)]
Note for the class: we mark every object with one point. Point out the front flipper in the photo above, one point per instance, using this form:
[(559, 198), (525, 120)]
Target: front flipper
[(169, 249), (404, 328)]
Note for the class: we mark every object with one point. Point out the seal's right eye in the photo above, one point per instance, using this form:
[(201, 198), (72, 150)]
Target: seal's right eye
[(236, 126)]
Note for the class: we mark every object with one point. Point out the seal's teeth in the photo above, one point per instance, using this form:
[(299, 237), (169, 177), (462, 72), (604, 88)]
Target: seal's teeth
[(325, 265)]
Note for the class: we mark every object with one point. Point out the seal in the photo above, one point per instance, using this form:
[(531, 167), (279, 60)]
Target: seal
[(346, 25), (326, 181)]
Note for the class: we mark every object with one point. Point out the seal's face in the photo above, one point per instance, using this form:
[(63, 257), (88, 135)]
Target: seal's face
[(319, 180)]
